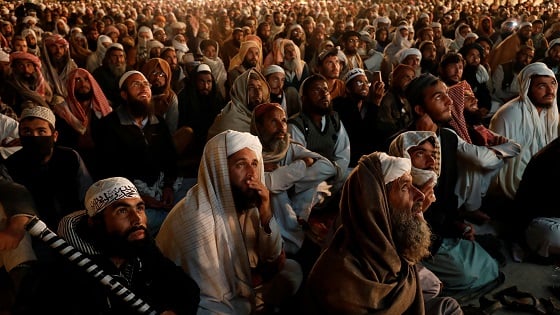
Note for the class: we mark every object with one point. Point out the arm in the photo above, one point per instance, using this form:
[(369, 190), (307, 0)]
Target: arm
[(478, 156)]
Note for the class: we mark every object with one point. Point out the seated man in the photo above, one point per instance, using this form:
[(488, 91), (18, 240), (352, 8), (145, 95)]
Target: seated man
[(112, 231), (292, 173), (224, 235), (370, 265)]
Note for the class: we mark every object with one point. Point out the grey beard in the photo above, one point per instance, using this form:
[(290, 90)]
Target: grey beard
[(289, 65), (118, 71), (412, 236)]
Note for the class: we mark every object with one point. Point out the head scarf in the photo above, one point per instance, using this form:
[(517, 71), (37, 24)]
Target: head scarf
[(409, 139), (363, 252), (278, 52), (42, 93), (458, 123), (162, 102), (240, 56), (403, 53), (203, 235), (57, 80), (524, 78), (74, 113), (258, 112)]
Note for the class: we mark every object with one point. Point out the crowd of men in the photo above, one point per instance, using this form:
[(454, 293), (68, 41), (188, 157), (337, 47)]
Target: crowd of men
[(272, 157)]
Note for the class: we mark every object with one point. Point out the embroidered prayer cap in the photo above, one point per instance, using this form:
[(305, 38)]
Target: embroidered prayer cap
[(128, 74), (105, 192), (37, 111), (352, 74), (328, 52), (273, 69), (393, 167)]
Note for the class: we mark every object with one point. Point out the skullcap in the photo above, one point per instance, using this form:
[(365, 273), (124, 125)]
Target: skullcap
[(41, 112), (273, 69), (203, 68), (402, 54), (105, 192), (128, 74), (352, 74)]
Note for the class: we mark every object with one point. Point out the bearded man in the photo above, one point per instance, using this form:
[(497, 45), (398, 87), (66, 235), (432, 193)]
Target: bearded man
[(292, 173), (111, 70), (112, 232), (57, 65), (134, 143), (376, 249), (25, 83)]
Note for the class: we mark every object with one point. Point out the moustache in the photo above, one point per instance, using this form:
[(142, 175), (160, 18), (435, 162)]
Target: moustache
[(134, 229)]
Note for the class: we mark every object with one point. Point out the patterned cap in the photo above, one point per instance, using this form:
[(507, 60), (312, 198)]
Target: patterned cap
[(37, 111), (105, 192)]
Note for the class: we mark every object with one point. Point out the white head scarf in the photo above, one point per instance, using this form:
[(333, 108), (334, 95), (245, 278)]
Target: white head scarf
[(409, 139), (393, 167)]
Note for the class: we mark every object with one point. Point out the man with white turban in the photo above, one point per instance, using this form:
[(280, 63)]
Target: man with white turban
[(371, 264), (224, 235), (530, 120)]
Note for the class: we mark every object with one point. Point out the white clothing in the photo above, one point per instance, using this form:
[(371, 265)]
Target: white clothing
[(8, 132), (293, 188), (520, 121), (217, 247)]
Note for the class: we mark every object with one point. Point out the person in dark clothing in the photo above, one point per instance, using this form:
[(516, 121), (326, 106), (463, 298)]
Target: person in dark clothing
[(358, 112), (112, 232), (134, 143)]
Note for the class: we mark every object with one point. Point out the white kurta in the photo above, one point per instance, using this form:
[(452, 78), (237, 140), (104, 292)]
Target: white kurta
[(520, 121), (293, 188)]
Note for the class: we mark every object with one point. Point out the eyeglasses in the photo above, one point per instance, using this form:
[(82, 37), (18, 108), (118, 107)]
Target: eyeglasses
[(139, 84), (362, 83), (159, 74)]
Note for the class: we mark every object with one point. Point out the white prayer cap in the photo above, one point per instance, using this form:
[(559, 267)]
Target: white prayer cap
[(393, 167), (436, 25), (402, 54), (236, 141), (352, 74), (523, 24), (471, 35), (105, 192), (273, 69), (37, 111), (203, 68), (552, 43), (424, 16), (128, 74)]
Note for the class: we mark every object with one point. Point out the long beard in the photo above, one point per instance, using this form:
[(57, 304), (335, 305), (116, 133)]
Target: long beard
[(274, 147), (157, 90), (60, 63), (290, 65), (117, 70), (83, 96), (247, 64), (412, 236), (30, 80), (139, 108)]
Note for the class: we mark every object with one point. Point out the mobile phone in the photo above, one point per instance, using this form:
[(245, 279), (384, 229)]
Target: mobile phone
[(376, 77)]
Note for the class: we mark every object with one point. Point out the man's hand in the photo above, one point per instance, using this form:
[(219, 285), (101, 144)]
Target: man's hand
[(265, 212), (308, 161), (428, 190), (466, 230), (14, 233), (377, 90)]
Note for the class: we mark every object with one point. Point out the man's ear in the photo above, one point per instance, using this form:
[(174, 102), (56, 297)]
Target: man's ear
[(124, 95), (419, 110)]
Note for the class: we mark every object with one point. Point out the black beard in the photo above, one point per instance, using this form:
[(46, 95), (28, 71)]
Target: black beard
[(60, 63), (244, 201), (83, 96), (297, 41), (29, 80), (473, 118), (248, 64), (139, 108), (114, 245), (157, 90)]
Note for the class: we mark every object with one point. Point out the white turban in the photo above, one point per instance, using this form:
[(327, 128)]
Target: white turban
[(236, 141), (402, 54), (105, 192), (393, 167)]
